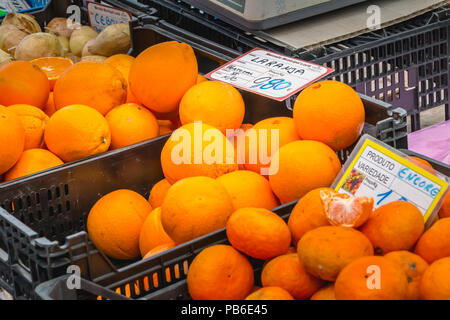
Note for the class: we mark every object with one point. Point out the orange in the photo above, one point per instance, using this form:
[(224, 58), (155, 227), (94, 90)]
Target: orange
[(159, 249), (326, 293), (194, 207), (259, 233), (424, 164), (346, 211), (12, 139), (238, 141), (129, 124), (32, 161), (166, 127), (435, 283), (123, 63), (155, 251), (394, 226), (94, 84), (220, 272), (308, 214), (291, 250), (21, 82), (435, 242), (115, 222), (444, 212), (197, 149), (331, 112), (312, 163), (325, 251), (50, 108), (152, 233), (288, 272), (248, 189), (76, 132), (158, 193), (270, 293), (34, 121), (53, 67), (162, 74), (215, 103), (265, 139), (371, 278), (201, 79), (414, 267)]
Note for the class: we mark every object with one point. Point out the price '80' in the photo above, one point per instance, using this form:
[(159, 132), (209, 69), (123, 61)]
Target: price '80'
[(267, 83)]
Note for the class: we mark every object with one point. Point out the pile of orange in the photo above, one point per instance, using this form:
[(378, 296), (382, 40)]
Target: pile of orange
[(69, 111), (220, 172), (388, 257)]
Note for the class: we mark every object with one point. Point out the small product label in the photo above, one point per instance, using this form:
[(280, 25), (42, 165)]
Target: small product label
[(378, 171), (102, 16), (13, 5), (269, 74)]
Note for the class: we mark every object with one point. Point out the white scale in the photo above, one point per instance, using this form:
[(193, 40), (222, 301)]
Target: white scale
[(266, 14)]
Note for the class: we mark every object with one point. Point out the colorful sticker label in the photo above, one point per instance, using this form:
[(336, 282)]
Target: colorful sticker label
[(102, 16), (378, 172), (269, 74)]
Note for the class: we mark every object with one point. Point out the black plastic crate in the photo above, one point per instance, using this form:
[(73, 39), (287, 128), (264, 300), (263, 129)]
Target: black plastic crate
[(133, 282), (43, 224), (405, 64), (154, 277)]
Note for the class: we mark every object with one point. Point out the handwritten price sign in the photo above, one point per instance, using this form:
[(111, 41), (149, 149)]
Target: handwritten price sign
[(269, 74), (378, 171), (102, 16)]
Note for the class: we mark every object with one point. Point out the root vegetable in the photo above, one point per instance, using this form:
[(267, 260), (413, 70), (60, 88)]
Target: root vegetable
[(80, 37), (39, 45), (94, 58), (72, 57), (10, 37), (114, 39), (24, 22), (86, 51), (61, 27), (64, 44), (5, 58)]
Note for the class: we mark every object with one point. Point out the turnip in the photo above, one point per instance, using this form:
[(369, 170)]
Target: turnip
[(24, 22), (39, 45), (80, 37), (10, 37), (114, 39), (62, 27), (5, 58)]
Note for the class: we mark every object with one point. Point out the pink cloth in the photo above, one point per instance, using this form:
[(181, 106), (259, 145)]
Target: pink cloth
[(433, 142)]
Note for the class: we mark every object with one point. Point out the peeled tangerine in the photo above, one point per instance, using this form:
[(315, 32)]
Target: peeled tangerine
[(162, 74), (343, 210)]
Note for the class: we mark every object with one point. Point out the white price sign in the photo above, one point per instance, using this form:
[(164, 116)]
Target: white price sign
[(269, 74), (102, 16)]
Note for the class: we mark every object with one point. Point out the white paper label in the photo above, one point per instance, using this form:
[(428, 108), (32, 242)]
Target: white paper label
[(269, 74), (102, 16), (13, 5)]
